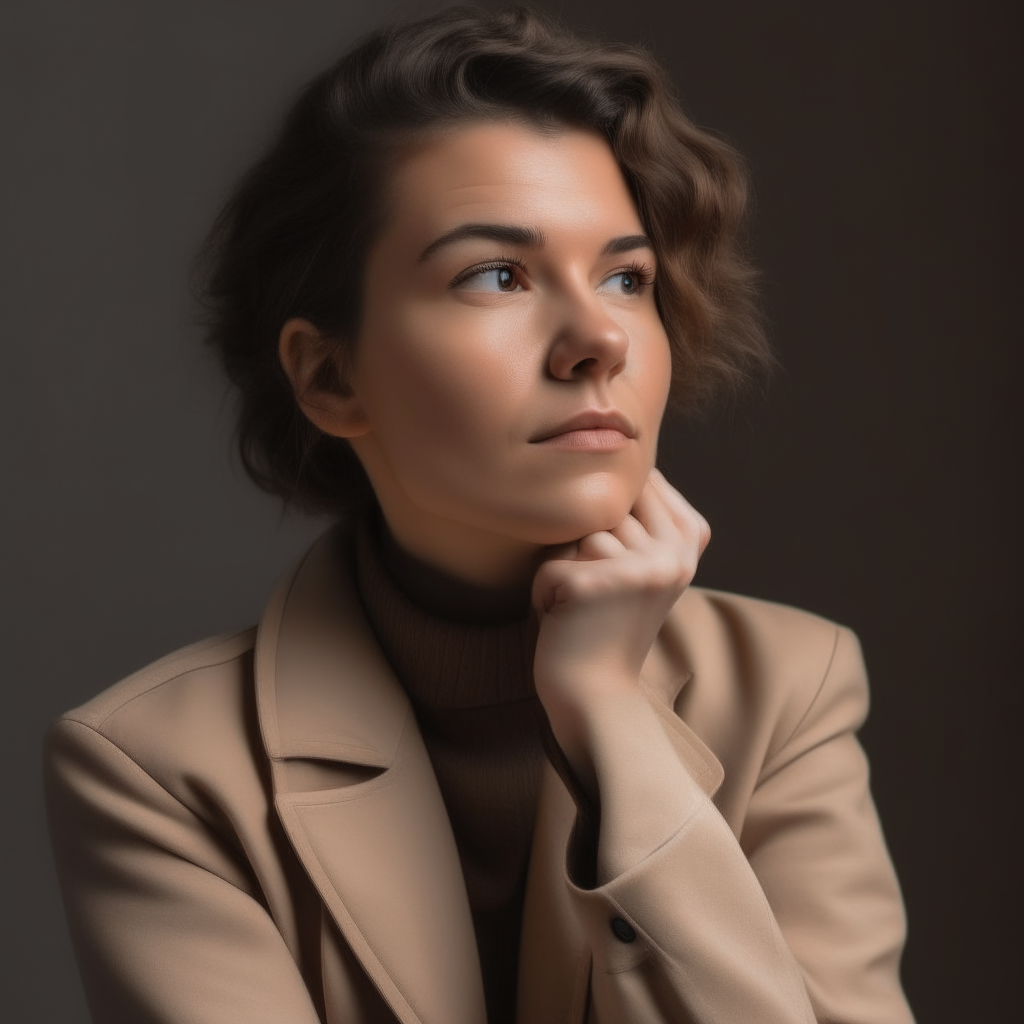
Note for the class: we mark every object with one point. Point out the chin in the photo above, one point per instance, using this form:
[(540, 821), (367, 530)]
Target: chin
[(564, 518)]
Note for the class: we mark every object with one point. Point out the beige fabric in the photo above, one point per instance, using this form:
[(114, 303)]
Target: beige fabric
[(249, 830)]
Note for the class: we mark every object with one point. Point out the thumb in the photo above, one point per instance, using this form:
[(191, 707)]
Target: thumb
[(548, 582)]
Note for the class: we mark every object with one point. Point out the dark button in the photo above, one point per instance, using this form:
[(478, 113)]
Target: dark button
[(623, 930)]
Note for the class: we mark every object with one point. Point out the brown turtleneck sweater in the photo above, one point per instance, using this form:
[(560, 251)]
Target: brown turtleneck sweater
[(465, 657)]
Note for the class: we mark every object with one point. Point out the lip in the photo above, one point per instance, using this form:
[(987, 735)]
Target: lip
[(589, 419)]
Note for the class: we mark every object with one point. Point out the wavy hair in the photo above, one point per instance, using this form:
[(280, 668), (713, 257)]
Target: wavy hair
[(293, 238)]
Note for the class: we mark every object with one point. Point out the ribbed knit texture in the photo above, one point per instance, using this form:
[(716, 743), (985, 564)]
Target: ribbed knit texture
[(465, 657)]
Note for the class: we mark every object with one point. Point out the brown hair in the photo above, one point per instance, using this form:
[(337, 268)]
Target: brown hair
[(292, 240)]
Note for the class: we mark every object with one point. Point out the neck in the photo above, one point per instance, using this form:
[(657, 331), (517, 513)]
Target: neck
[(436, 591), (474, 556), (468, 553)]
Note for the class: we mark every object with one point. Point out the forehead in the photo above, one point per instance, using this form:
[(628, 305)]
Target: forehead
[(564, 181)]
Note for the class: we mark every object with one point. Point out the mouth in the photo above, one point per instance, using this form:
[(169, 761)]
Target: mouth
[(595, 429)]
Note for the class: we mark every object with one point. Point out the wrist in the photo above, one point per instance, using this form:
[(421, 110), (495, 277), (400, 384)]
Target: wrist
[(585, 689), (585, 720)]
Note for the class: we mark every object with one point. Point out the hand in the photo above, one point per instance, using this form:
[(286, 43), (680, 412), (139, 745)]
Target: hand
[(601, 603)]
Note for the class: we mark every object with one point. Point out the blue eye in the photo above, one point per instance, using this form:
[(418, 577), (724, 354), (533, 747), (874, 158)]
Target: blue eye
[(628, 282)]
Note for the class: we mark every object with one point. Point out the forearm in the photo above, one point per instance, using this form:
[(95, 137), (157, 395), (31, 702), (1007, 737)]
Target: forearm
[(626, 764), (701, 940)]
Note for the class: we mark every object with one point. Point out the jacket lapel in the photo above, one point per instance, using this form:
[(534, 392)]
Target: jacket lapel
[(379, 849)]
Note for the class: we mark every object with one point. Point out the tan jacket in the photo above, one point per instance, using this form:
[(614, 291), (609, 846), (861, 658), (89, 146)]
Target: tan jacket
[(249, 830)]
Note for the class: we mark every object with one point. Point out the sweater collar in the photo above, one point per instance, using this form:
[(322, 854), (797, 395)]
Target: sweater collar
[(452, 644)]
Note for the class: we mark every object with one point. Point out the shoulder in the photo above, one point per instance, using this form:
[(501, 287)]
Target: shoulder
[(188, 708), (733, 629), (206, 665), (762, 672)]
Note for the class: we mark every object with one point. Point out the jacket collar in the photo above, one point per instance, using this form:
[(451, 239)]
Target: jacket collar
[(325, 689), (381, 852)]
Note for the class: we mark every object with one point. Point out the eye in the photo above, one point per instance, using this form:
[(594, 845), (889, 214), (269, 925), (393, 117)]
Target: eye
[(500, 277), (631, 281)]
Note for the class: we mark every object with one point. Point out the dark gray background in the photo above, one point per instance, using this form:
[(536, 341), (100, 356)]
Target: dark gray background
[(877, 484)]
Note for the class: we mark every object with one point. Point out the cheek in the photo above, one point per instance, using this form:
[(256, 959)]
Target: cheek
[(663, 384), (443, 389), (652, 370)]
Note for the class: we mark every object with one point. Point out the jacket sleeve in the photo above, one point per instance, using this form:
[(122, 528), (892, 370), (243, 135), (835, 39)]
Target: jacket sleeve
[(800, 920), (166, 924), (813, 839)]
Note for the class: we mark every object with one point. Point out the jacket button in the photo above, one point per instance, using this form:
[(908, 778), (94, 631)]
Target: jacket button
[(623, 930)]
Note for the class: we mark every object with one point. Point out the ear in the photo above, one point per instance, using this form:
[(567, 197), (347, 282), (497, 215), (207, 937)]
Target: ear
[(311, 363)]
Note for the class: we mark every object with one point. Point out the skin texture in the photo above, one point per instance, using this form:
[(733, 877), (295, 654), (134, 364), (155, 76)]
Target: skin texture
[(472, 352)]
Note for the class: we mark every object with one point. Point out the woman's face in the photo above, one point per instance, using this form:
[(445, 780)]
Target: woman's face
[(509, 293)]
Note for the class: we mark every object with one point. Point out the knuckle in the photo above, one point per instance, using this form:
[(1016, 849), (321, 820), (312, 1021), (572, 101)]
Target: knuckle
[(705, 532), (577, 586), (685, 566)]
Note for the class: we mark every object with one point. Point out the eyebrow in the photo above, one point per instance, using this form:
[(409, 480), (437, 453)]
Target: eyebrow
[(511, 234), (626, 243), (507, 233)]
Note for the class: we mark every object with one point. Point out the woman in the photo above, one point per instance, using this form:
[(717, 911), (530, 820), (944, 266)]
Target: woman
[(487, 756)]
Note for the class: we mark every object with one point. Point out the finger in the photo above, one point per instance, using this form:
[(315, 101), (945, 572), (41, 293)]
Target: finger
[(562, 552), (545, 593), (556, 583), (631, 533), (675, 501), (654, 514), (705, 533), (679, 505), (682, 511), (601, 544)]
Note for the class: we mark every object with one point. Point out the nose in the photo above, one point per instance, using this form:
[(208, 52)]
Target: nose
[(587, 342)]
